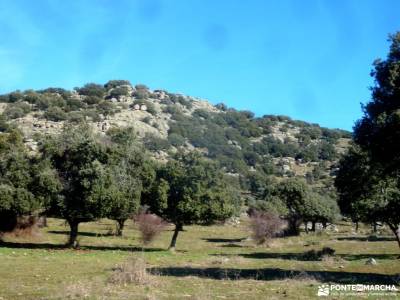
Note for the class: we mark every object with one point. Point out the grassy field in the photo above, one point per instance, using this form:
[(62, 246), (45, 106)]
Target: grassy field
[(216, 262)]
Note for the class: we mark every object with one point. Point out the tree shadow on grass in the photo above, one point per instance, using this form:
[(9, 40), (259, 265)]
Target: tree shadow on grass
[(232, 245), (305, 256), (277, 274), (367, 238), (94, 234), (222, 240), (47, 246)]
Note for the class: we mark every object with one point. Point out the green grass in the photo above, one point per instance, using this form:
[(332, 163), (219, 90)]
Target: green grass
[(215, 262)]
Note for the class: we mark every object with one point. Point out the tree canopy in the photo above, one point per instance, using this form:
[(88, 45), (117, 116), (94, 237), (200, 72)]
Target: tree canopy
[(189, 190), (369, 179)]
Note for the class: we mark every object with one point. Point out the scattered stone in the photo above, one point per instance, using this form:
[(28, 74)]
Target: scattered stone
[(371, 261)]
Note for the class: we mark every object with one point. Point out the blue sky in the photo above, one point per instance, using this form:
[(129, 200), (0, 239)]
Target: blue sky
[(307, 59)]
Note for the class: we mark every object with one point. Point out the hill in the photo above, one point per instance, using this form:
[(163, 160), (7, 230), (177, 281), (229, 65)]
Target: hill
[(248, 148)]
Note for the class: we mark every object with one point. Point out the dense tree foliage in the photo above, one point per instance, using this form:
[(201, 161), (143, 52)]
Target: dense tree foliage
[(189, 190), (130, 172), (369, 178), (26, 183), (80, 162)]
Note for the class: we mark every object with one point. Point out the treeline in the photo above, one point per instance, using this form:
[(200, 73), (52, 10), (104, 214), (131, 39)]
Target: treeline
[(80, 177)]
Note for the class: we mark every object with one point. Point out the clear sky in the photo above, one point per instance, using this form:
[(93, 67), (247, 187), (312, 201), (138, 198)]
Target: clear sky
[(307, 59)]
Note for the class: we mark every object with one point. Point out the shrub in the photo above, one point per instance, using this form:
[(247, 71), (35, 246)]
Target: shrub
[(141, 92), (133, 271), (119, 91), (107, 108), (55, 114), (73, 104), (48, 100), (221, 106), (75, 117), (265, 226), (92, 100), (146, 120), (17, 110), (92, 89), (172, 109), (176, 140), (155, 143), (115, 83), (4, 126), (149, 225)]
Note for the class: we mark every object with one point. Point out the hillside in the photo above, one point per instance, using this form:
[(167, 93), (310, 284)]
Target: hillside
[(245, 145)]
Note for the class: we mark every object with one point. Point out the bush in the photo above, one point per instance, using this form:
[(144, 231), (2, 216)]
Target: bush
[(176, 140), (55, 114), (155, 143), (119, 91), (92, 100), (146, 120), (133, 271), (149, 225), (265, 226), (75, 117), (73, 104), (17, 110), (107, 108), (92, 89), (172, 109), (115, 83), (4, 126), (141, 92)]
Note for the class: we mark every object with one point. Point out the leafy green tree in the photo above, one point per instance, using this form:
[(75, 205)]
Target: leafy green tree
[(17, 110), (294, 193), (189, 190), (26, 183), (92, 89), (376, 155), (80, 162), (320, 208), (131, 172), (55, 114), (116, 83)]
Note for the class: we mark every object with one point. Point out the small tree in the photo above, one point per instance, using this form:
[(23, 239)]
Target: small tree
[(130, 171), (265, 226), (92, 89), (189, 190), (149, 225), (80, 162), (26, 183)]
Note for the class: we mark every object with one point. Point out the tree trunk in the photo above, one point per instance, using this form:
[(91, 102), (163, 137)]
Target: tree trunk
[(293, 227), (178, 227), (374, 227), (120, 226), (73, 234), (356, 226), (324, 225), (306, 227), (396, 231), (313, 226)]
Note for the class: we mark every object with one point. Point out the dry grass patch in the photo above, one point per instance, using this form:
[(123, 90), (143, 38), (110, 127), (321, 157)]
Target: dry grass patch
[(133, 271)]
